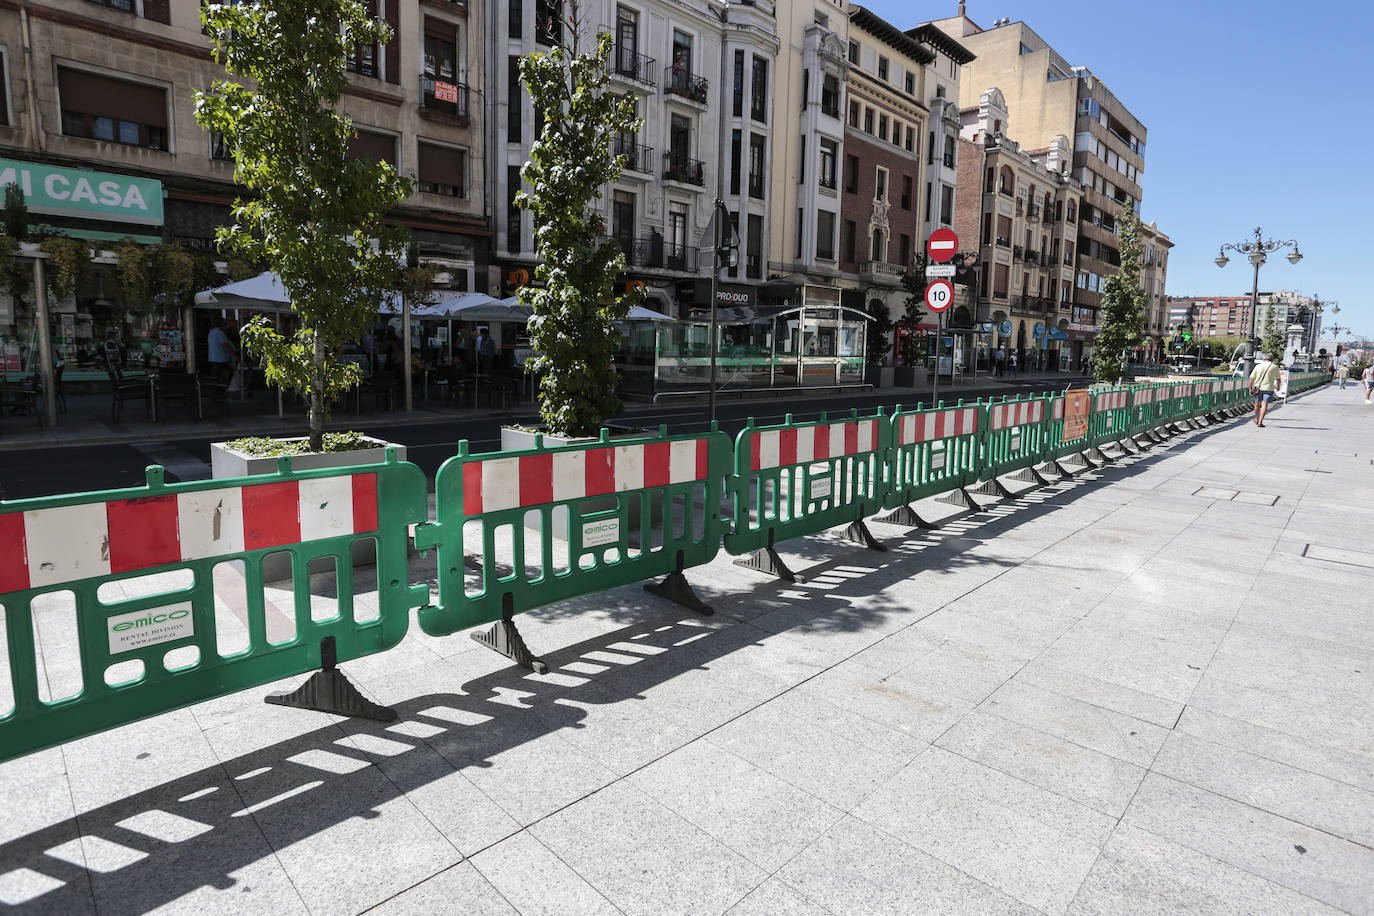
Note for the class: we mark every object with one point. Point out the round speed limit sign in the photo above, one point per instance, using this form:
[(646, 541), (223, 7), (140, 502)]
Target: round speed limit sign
[(939, 295)]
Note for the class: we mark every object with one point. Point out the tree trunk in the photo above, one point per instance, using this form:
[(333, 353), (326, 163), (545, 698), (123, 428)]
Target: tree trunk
[(317, 395)]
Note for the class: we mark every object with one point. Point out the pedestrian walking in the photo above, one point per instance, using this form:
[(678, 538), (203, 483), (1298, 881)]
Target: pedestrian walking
[(1343, 373), (1000, 366), (222, 352), (1368, 379), (1011, 363), (1264, 380)]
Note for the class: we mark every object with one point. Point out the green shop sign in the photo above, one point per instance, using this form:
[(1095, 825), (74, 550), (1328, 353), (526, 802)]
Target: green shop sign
[(89, 195)]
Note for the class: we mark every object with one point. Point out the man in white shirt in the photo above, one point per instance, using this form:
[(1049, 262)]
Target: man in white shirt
[(1264, 381)]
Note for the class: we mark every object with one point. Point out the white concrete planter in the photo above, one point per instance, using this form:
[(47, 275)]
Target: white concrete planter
[(226, 463)]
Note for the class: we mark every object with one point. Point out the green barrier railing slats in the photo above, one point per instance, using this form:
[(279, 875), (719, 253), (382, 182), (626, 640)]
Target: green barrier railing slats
[(794, 479), (1015, 435), (934, 450), (607, 512), (52, 567)]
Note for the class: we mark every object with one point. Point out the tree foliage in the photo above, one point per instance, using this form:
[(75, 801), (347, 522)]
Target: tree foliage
[(572, 330), (1272, 343), (914, 282), (315, 216), (1123, 305)]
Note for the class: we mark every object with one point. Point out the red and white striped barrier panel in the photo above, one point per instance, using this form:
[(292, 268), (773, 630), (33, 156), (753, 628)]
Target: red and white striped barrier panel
[(1141, 396), (41, 547), (1163, 393), (1181, 390), (1111, 400), (1015, 413), (497, 484), (938, 424), (775, 448)]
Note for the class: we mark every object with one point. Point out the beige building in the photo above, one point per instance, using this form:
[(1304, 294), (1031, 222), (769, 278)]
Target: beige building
[(1154, 273), (1046, 98), (109, 88), (1021, 209), (809, 105)]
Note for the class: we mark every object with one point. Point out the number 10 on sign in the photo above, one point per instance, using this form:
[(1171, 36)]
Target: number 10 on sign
[(939, 295)]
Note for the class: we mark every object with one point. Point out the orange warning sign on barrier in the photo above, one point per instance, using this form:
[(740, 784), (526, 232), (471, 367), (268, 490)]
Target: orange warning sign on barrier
[(1077, 406)]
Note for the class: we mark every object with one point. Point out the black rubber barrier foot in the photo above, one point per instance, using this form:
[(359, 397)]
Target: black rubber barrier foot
[(1094, 458), (678, 590), (1043, 472), (505, 639), (905, 515), (327, 690), (858, 532), (766, 560)]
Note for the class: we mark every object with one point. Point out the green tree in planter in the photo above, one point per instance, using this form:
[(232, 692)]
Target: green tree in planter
[(131, 270), (316, 216), (1271, 345), (914, 282), (572, 330), (69, 265), (1123, 305)]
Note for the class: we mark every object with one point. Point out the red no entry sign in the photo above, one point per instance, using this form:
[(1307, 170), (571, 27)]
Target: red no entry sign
[(942, 245), (939, 295)]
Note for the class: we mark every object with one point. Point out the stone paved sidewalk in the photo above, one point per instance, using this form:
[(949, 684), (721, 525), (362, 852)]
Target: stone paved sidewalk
[(1144, 690)]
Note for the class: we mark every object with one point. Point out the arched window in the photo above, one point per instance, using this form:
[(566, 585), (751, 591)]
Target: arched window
[(1007, 181)]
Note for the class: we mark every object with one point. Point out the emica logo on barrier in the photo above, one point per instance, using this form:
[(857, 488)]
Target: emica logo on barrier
[(149, 621), (148, 628)]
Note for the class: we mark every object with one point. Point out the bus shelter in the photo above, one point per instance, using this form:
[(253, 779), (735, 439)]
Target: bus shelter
[(759, 347)]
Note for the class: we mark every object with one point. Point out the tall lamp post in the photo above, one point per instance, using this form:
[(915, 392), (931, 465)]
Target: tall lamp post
[(1257, 251), (1318, 305)]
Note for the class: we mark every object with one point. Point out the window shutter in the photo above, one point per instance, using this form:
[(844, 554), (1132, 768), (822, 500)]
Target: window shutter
[(94, 94), (393, 47), (440, 165)]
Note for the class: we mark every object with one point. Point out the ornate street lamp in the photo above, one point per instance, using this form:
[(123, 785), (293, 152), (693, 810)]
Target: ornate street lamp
[(1257, 251)]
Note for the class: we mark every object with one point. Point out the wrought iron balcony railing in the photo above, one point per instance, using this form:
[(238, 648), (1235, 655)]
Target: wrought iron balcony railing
[(677, 167), (630, 64), (443, 97), (638, 157), (680, 81)]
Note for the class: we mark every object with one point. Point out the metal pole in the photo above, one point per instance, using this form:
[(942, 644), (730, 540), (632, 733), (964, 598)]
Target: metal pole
[(405, 348), (1253, 356), (711, 342), (40, 293), (939, 342)]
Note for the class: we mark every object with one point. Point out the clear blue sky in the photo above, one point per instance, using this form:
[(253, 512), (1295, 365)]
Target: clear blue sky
[(1257, 115)]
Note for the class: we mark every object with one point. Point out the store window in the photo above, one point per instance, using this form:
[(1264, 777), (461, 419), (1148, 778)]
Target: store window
[(100, 107)]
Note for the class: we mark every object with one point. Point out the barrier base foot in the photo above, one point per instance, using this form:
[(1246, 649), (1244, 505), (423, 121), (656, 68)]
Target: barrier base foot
[(1025, 480), (329, 691), (858, 532), (981, 496), (678, 590), (1048, 473), (905, 515), (505, 639), (1095, 458), (766, 560)]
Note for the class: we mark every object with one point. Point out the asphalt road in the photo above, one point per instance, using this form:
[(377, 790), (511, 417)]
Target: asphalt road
[(51, 470)]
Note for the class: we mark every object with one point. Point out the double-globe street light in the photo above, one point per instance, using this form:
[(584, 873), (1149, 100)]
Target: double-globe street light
[(1318, 306), (1257, 251)]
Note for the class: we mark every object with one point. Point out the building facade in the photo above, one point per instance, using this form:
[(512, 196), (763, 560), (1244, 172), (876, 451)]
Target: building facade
[(108, 89), (703, 83), (1154, 275), (1021, 209), (1210, 316), (1047, 97), (882, 174)]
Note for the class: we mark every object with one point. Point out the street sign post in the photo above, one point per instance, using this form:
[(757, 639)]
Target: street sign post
[(942, 245), (939, 296)]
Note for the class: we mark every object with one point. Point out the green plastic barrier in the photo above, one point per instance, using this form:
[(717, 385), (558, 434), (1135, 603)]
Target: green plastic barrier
[(934, 450), (1111, 416), (794, 479), (517, 530), (151, 598), (1014, 437), (1068, 431), (1142, 409)]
